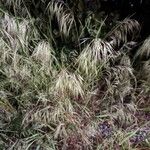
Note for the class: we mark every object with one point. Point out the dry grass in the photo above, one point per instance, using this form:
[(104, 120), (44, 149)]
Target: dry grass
[(144, 50), (64, 16), (48, 103)]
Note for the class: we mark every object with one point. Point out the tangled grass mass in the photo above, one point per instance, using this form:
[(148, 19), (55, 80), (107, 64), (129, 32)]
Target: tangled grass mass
[(71, 80)]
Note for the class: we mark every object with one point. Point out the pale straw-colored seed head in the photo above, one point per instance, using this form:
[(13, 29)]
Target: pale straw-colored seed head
[(43, 53), (69, 84), (95, 54), (144, 50), (64, 16), (9, 24)]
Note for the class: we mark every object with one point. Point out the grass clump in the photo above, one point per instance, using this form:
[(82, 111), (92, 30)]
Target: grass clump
[(57, 92)]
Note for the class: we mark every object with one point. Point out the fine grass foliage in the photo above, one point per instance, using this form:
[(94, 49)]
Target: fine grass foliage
[(81, 95)]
